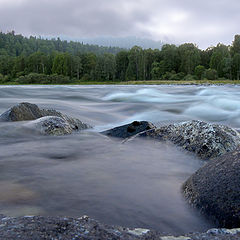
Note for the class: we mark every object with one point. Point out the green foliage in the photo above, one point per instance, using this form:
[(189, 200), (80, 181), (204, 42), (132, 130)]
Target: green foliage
[(158, 70), (189, 77), (36, 78), (1, 79), (217, 61), (176, 76), (121, 65), (134, 70), (86, 77), (105, 68), (16, 45), (190, 57), (42, 61), (171, 58), (236, 66), (205, 56), (211, 74), (236, 45), (199, 71)]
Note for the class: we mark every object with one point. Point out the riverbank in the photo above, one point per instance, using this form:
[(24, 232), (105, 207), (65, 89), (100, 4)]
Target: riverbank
[(149, 82)]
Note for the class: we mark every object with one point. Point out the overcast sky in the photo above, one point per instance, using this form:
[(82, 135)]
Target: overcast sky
[(204, 22)]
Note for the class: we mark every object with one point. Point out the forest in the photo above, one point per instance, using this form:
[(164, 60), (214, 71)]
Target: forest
[(42, 61)]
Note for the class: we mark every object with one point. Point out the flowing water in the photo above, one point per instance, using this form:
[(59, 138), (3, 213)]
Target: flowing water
[(136, 184)]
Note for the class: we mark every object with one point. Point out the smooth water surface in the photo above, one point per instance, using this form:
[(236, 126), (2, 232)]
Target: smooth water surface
[(136, 184)]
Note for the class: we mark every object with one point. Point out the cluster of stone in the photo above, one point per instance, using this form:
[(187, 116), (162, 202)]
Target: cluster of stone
[(45, 121), (214, 188)]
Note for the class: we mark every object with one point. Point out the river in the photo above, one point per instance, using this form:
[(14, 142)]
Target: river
[(136, 184)]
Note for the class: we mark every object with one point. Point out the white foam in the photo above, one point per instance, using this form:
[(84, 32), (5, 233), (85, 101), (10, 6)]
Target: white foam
[(212, 91), (147, 95), (209, 112), (226, 103)]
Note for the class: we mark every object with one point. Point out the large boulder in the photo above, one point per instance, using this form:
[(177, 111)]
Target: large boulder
[(129, 130), (215, 189), (205, 139), (27, 111)]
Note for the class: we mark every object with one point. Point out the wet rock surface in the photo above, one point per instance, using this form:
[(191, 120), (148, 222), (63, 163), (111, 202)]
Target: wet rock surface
[(33, 227), (205, 139), (22, 112), (51, 126), (129, 130), (75, 123), (48, 122), (215, 189)]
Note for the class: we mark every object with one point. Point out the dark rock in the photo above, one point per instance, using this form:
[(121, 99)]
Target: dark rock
[(205, 139), (129, 130), (85, 228), (28, 111), (215, 189)]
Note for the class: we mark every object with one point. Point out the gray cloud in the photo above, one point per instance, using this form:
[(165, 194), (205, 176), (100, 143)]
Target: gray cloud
[(205, 22)]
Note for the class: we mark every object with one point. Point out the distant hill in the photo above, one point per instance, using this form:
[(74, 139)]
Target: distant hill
[(12, 44), (122, 42)]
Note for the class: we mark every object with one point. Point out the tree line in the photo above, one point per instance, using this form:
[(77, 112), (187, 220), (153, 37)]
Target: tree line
[(36, 60)]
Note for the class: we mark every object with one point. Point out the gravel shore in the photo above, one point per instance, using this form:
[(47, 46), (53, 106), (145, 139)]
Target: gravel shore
[(36, 227)]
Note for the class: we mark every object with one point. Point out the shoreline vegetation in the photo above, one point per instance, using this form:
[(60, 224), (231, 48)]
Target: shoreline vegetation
[(43, 61), (148, 82)]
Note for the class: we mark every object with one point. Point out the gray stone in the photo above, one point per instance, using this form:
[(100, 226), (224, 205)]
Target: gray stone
[(27, 111), (215, 189), (205, 139), (50, 125), (22, 112), (85, 228), (75, 123), (129, 130)]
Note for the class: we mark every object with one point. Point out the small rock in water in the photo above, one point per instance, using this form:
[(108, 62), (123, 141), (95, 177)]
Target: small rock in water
[(129, 130), (51, 126), (75, 123), (22, 112), (138, 231), (215, 189), (205, 139)]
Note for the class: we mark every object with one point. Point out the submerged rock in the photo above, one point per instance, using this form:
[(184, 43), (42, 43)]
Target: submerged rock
[(215, 189), (47, 121), (205, 139), (15, 193), (129, 130)]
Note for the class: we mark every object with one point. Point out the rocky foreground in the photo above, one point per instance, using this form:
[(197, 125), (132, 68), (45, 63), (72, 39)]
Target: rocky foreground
[(84, 228), (214, 189)]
